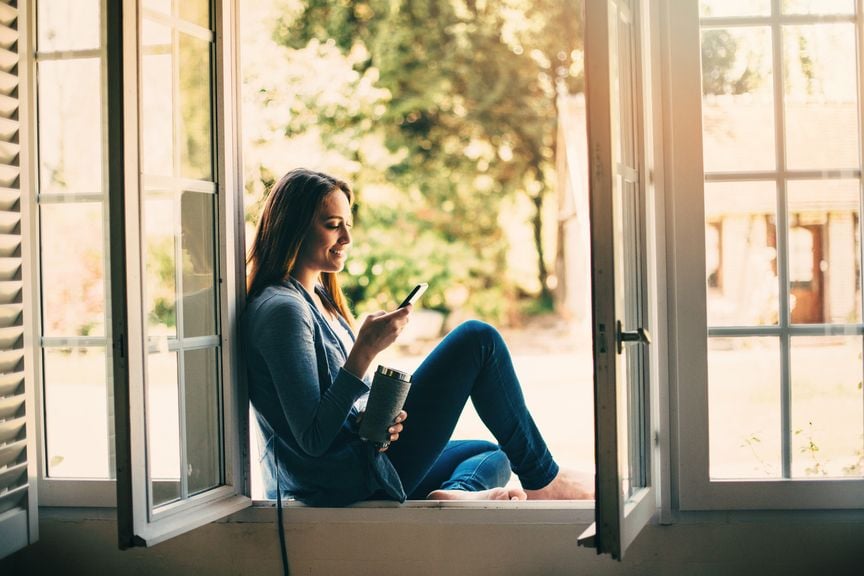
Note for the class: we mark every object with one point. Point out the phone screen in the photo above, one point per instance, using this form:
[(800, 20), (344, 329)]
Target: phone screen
[(415, 294)]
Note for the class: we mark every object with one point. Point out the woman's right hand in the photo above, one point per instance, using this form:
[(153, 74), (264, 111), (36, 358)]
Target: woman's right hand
[(378, 331)]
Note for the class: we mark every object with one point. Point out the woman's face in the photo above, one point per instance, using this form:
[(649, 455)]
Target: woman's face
[(325, 247)]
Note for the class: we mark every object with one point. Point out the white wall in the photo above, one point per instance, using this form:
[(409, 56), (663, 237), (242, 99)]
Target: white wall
[(826, 545)]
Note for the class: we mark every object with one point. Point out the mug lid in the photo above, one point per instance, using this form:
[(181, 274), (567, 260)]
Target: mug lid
[(393, 373)]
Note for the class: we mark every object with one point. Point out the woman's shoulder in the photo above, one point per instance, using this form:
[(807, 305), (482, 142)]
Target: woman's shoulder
[(276, 301)]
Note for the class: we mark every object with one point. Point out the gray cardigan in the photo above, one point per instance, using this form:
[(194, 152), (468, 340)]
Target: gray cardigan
[(303, 401)]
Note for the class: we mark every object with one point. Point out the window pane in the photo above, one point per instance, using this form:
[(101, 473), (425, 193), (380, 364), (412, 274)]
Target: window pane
[(157, 108), (741, 254), (738, 100), (820, 96), (73, 269), (827, 400), (818, 6), (720, 8), (70, 126), (160, 266), (744, 408), (68, 25), (77, 413), (197, 241), (824, 252), (163, 426), (163, 6), (196, 148), (203, 434), (195, 11)]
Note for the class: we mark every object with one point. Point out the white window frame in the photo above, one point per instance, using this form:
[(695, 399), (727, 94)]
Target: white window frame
[(93, 492), (687, 295), (137, 525)]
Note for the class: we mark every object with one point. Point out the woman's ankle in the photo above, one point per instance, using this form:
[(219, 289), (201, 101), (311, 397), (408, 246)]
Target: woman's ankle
[(567, 485)]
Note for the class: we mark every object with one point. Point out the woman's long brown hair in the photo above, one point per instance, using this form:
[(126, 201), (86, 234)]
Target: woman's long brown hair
[(289, 210)]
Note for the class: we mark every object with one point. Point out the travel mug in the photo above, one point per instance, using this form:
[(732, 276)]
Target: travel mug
[(389, 390)]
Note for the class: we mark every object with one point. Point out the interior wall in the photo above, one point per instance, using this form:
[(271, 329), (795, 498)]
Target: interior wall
[(740, 548)]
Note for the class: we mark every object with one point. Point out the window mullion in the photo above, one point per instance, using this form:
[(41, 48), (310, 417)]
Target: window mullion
[(782, 231)]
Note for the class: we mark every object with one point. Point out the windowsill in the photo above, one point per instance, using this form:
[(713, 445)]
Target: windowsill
[(577, 512), (569, 512)]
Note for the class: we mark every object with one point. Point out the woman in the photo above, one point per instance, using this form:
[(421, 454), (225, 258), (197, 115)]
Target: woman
[(307, 377)]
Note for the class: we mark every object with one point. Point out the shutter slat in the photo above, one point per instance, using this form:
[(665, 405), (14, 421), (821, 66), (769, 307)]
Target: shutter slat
[(8, 82), (12, 430), (9, 222), (10, 269), (11, 407), (10, 361), (15, 498), (9, 151), (13, 477), (10, 245), (13, 454), (11, 384), (10, 315), (9, 199), (11, 338), (8, 16)]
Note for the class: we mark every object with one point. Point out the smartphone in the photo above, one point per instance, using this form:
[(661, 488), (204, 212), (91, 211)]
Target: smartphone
[(415, 294)]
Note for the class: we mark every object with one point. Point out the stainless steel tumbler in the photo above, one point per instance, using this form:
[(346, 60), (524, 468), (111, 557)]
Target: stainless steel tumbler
[(389, 390)]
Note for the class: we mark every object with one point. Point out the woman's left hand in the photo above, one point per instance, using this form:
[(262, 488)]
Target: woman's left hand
[(395, 429)]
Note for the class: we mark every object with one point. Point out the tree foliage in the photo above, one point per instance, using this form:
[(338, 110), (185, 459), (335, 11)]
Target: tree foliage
[(467, 113)]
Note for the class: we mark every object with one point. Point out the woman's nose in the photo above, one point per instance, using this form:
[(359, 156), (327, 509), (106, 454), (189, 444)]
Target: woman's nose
[(345, 237)]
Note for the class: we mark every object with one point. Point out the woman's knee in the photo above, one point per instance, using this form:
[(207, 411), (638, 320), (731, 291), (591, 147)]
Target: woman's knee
[(482, 331)]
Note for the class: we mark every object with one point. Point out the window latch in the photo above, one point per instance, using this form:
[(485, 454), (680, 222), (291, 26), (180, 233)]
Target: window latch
[(640, 335)]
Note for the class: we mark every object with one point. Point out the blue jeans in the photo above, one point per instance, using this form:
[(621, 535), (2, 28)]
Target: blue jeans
[(471, 362)]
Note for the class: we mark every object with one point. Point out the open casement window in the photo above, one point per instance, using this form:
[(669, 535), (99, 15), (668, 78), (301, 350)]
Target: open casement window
[(18, 505), (619, 196), (174, 282), (770, 359)]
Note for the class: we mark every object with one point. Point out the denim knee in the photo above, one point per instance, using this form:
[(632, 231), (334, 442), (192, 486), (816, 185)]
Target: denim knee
[(483, 332)]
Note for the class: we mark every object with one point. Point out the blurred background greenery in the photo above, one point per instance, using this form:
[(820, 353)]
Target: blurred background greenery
[(443, 116)]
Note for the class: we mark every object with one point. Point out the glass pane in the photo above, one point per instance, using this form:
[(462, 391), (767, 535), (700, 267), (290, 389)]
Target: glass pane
[(819, 81), (203, 435), (157, 106), (73, 272), (741, 253), (68, 25), (77, 409), (160, 267), (824, 252), (737, 99), (818, 6), (197, 242), (723, 8), (163, 6), (827, 401), (196, 147), (163, 426), (70, 126), (195, 11), (744, 408)]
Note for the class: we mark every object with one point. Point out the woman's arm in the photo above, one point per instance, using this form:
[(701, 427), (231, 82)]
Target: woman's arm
[(285, 336)]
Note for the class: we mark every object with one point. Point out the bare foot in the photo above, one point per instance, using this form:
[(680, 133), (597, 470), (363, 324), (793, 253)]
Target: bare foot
[(491, 494), (567, 485)]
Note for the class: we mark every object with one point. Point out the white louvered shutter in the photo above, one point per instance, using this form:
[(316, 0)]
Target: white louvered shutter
[(18, 509)]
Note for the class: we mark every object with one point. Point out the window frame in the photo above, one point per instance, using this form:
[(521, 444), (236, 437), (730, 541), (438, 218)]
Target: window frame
[(137, 525), (688, 291), (91, 492)]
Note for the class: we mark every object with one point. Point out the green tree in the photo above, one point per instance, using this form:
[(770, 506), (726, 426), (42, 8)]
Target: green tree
[(471, 110)]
